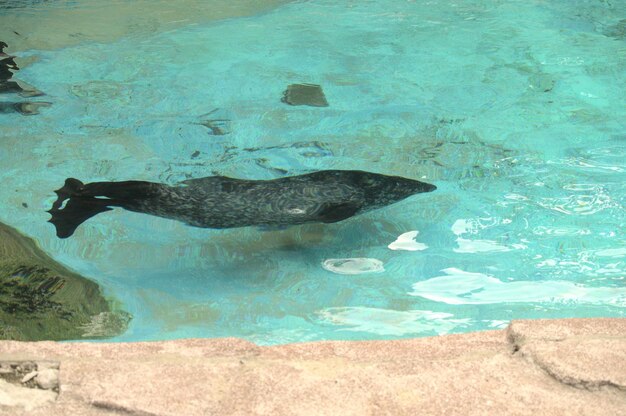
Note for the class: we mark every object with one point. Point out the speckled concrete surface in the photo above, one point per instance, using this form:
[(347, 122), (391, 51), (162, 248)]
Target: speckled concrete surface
[(560, 367)]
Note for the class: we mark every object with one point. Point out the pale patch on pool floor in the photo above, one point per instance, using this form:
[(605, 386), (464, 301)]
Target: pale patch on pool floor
[(407, 242), (465, 245), (484, 246), (356, 265), (458, 287), (387, 322), (612, 252), (49, 25)]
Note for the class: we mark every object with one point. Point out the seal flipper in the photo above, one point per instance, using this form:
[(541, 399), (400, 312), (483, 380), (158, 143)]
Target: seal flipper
[(76, 211), (330, 213), (72, 187)]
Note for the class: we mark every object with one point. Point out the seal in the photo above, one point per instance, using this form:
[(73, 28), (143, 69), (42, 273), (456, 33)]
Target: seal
[(220, 202)]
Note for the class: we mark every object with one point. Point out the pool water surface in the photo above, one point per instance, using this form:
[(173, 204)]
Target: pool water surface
[(514, 109)]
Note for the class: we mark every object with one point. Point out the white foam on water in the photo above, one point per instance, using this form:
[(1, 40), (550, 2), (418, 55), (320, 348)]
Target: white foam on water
[(584, 200), (407, 242), (390, 322), (458, 287), (357, 265)]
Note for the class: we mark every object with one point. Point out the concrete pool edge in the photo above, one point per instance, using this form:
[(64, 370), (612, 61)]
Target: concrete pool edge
[(550, 367)]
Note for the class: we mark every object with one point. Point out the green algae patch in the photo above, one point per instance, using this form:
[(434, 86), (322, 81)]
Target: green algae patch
[(42, 300)]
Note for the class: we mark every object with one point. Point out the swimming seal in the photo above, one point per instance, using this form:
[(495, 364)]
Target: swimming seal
[(220, 202)]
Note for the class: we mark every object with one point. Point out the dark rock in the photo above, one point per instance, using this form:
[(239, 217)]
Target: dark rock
[(305, 94)]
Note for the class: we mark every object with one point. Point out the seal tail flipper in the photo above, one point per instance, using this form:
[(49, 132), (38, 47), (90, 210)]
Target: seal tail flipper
[(77, 210), (72, 187)]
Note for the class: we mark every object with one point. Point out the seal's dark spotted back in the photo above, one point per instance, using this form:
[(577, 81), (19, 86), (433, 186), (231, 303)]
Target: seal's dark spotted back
[(220, 202)]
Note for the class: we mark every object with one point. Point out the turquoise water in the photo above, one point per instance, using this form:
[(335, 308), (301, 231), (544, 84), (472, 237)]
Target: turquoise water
[(514, 109)]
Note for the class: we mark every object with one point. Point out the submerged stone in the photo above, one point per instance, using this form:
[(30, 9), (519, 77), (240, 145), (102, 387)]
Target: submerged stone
[(24, 108), (542, 82), (305, 94), (42, 300)]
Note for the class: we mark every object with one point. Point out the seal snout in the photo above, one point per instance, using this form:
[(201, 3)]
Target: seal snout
[(416, 187), (427, 187)]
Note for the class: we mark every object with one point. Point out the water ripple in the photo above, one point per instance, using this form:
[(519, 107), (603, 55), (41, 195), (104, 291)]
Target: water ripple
[(389, 322), (587, 200), (561, 231)]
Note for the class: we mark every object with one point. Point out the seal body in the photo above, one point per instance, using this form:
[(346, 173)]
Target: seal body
[(222, 202)]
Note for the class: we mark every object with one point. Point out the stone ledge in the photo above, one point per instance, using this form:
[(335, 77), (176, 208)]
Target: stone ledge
[(583, 353), (543, 367)]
